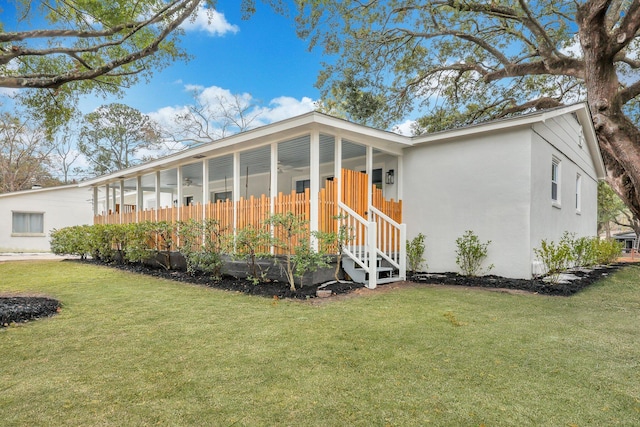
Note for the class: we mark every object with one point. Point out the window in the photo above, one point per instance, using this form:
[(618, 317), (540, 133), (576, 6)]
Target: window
[(188, 200), (222, 195), (578, 192), (555, 181), (376, 177), (28, 223), (302, 185)]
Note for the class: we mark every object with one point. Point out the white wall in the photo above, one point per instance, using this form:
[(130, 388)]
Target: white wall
[(559, 138), (479, 183), (62, 207)]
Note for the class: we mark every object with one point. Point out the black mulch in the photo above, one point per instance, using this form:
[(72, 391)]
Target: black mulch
[(17, 309), (584, 279)]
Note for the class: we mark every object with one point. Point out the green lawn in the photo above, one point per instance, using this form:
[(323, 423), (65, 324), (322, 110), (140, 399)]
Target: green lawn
[(131, 350)]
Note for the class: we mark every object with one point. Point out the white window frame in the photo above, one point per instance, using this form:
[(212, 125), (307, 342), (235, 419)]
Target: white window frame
[(556, 181), (27, 233), (578, 193)]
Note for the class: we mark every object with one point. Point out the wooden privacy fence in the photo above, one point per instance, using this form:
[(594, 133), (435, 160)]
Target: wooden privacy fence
[(255, 211)]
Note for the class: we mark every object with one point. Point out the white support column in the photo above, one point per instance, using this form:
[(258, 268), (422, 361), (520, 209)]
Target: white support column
[(107, 196), (95, 201), (399, 178), (236, 189), (373, 256), (337, 166), (114, 199), (314, 185), (121, 201), (157, 182), (369, 168), (139, 198), (180, 196), (205, 187), (273, 193)]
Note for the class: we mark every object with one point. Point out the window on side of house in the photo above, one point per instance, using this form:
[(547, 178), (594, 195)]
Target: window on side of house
[(555, 182), (578, 193), (302, 185), (28, 223)]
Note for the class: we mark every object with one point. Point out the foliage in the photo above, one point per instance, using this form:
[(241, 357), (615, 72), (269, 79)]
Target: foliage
[(252, 243), (113, 135), (333, 242), (150, 241), (470, 253), (570, 252), (24, 154), (556, 257), (415, 253), (201, 244), (73, 240), (464, 62), (290, 233)]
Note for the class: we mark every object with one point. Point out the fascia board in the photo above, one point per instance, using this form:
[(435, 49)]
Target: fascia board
[(40, 190)]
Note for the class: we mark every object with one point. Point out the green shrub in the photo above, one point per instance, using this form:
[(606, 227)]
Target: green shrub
[(415, 253), (607, 251), (201, 244), (554, 257), (71, 241), (290, 233), (470, 254), (252, 243)]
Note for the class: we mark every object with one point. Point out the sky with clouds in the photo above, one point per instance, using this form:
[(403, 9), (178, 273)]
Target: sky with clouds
[(260, 59)]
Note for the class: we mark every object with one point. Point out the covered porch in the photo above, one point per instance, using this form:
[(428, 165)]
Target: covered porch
[(328, 176)]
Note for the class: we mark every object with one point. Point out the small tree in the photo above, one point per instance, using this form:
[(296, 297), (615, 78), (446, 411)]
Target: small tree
[(471, 253), (252, 243), (334, 242), (201, 246), (300, 258), (415, 253)]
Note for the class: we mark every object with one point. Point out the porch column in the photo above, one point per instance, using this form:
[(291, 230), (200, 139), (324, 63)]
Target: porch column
[(314, 184), (399, 178), (121, 201), (236, 189), (139, 198), (113, 195), (157, 195), (273, 187), (107, 195), (95, 201), (205, 187), (369, 168), (180, 197), (337, 166)]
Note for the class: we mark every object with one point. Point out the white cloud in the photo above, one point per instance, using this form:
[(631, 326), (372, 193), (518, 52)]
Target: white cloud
[(284, 107), (210, 21), (405, 128)]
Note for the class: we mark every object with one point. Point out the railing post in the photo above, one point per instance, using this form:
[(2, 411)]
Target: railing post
[(403, 252), (372, 255)]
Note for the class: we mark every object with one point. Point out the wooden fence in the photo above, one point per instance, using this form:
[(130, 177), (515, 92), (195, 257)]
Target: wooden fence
[(255, 211)]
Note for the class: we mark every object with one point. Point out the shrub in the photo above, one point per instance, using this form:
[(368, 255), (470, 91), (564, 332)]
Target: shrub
[(201, 246), (415, 253), (290, 233), (71, 241), (334, 242), (554, 257), (471, 253), (252, 243), (607, 251)]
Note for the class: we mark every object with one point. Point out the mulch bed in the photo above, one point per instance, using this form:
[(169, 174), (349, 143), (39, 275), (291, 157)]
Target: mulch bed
[(14, 309), (18, 309)]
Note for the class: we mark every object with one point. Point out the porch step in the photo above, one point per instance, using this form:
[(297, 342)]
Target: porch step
[(384, 273)]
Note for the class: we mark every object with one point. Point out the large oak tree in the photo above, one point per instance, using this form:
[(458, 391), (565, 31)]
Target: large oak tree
[(469, 61)]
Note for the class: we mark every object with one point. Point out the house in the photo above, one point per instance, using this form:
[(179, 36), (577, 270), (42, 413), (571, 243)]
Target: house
[(628, 241), (27, 217), (512, 181)]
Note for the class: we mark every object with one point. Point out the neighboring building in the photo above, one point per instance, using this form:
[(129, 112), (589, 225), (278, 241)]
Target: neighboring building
[(628, 240), (27, 217), (512, 181)]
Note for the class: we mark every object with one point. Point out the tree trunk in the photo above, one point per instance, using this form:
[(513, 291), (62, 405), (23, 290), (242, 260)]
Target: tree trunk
[(618, 138)]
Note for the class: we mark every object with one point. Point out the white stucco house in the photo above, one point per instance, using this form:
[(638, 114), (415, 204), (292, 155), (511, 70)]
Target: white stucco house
[(27, 217), (513, 181)]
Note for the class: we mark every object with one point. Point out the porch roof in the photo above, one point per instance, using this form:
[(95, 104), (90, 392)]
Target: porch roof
[(275, 132)]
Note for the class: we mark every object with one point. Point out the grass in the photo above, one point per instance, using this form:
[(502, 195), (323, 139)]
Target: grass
[(132, 350)]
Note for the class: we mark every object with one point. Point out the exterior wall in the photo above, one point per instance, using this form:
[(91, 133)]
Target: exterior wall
[(479, 183), (560, 138), (62, 207)]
